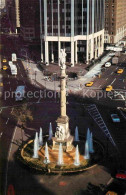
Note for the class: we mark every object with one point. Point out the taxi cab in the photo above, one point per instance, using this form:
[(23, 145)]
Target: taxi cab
[(4, 60), (4, 67), (120, 71), (89, 84), (109, 88), (111, 193), (1, 84)]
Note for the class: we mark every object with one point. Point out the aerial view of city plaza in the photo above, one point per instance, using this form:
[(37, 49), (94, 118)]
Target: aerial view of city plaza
[(63, 97)]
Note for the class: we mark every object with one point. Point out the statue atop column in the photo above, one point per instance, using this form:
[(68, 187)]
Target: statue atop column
[(62, 58)]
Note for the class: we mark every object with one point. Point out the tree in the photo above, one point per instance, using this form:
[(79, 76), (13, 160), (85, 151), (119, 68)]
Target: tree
[(22, 114)]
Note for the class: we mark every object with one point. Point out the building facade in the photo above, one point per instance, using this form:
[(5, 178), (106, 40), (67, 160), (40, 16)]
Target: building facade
[(13, 9), (29, 19), (76, 26), (2, 4), (115, 20)]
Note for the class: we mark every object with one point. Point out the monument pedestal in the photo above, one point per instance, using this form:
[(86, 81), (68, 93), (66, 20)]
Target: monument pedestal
[(66, 144), (63, 122)]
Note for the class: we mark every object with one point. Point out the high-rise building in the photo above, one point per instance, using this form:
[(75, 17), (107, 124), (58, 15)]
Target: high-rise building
[(76, 25), (115, 20), (2, 4), (12, 7), (29, 19)]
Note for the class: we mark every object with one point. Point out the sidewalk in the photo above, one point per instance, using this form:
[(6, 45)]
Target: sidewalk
[(74, 85)]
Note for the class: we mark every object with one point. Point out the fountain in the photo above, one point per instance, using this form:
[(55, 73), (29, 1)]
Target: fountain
[(87, 156), (35, 153), (77, 160), (76, 134), (46, 160), (91, 150), (61, 150), (40, 137), (50, 131), (60, 155)]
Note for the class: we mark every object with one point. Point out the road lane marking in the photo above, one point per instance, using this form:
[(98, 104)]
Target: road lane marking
[(106, 79), (99, 86), (7, 121), (21, 75), (113, 81), (112, 73), (1, 111)]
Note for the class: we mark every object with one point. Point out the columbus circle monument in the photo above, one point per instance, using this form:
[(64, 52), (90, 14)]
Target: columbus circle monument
[(61, 152)]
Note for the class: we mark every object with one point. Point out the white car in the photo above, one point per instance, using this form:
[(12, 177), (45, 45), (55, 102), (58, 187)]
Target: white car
[(107, 64), (115, 118), (111, 54)]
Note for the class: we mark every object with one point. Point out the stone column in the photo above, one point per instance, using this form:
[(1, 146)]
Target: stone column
[(59, 46), (46, 53), (76, 56), (87, 50), (52, 55), (72, 53), (63, 93)]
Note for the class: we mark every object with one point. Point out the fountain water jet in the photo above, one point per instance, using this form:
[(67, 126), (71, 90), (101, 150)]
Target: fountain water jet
[(60, 155), (91, 150), (50, 131), (40, 137), (87, 156), (76, 134), (46, 160), (77, 160), (36, 146), (88, 135)]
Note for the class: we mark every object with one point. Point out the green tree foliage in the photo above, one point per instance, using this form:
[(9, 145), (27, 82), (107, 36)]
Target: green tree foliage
[(23, 113)]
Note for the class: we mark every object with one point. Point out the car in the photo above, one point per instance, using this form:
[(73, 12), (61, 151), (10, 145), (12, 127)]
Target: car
[(111, 54), (89, 84), (1, 84), (111, 193), (109, 88), (4, 60), (107, 64), (120, 71), (115, 118), (4, 67), (121, 175)]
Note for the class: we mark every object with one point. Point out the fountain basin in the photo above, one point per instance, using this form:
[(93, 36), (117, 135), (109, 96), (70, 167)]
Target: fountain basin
[(26, 153)]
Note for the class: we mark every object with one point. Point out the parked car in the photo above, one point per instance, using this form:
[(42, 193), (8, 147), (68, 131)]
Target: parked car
[(121, 175), (115, 118), (89, 84), (107, 64)]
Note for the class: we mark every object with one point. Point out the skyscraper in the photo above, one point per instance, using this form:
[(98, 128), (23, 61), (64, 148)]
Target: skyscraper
[(76, 25), (29, 19), (115, 20)]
